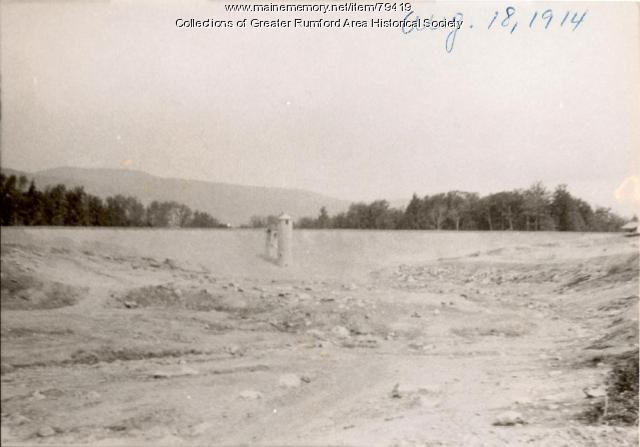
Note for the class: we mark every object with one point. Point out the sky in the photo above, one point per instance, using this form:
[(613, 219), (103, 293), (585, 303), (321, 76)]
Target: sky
[(356, 114)]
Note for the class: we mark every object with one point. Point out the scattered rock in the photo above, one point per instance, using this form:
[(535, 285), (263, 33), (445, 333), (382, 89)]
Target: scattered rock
[(45, 431), (235, 350), (251, 395), (436, 312), (93, 395), (395, 392), (508, 418), (130, 304), (595, 392), (37, 395), (340, 331), (170, 264), (289, 381)]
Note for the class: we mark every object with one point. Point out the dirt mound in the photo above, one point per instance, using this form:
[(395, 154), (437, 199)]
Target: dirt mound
[(323, 317), (191, 298), (21, 290)]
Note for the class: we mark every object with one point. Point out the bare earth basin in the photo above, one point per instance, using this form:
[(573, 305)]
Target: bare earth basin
[(371, 338)]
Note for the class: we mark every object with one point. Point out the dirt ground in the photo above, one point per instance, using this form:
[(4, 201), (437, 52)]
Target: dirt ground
[(504, 346)]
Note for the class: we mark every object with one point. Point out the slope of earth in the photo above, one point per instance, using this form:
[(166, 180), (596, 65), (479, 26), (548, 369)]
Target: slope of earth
[(512, 345)]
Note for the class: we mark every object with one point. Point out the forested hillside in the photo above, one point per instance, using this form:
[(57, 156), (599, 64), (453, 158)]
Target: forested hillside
[(533, 209), (21, 203)]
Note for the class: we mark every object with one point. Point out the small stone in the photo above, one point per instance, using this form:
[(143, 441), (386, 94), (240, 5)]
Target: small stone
[(340, 331), (45, 431), (289, 381), (93, 395), (508, 418), (37, 395), (251, 395), (436, 311), (395, 392), (130, 304), (235, 350), (595, 392)]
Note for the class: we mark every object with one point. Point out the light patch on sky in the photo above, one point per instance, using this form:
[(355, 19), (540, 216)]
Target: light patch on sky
[(358, 115)]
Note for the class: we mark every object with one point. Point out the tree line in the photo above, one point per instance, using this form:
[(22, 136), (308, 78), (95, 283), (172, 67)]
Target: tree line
[(21, 203), (532, 209)]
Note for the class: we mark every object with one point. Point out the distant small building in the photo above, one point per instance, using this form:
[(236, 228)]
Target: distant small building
[(630, 227)]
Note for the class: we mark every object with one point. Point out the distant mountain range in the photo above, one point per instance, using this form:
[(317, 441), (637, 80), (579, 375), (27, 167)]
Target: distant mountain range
[(229, 203)]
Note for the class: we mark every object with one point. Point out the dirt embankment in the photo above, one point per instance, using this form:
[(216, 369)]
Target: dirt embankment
[(22, 289)]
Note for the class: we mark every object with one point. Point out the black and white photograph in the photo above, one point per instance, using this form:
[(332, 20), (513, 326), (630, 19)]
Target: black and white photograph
[(319, 223)]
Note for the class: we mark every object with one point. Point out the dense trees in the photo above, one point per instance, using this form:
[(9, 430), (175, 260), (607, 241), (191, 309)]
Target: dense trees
[(533, 209), (262, 221), (21, 203)]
